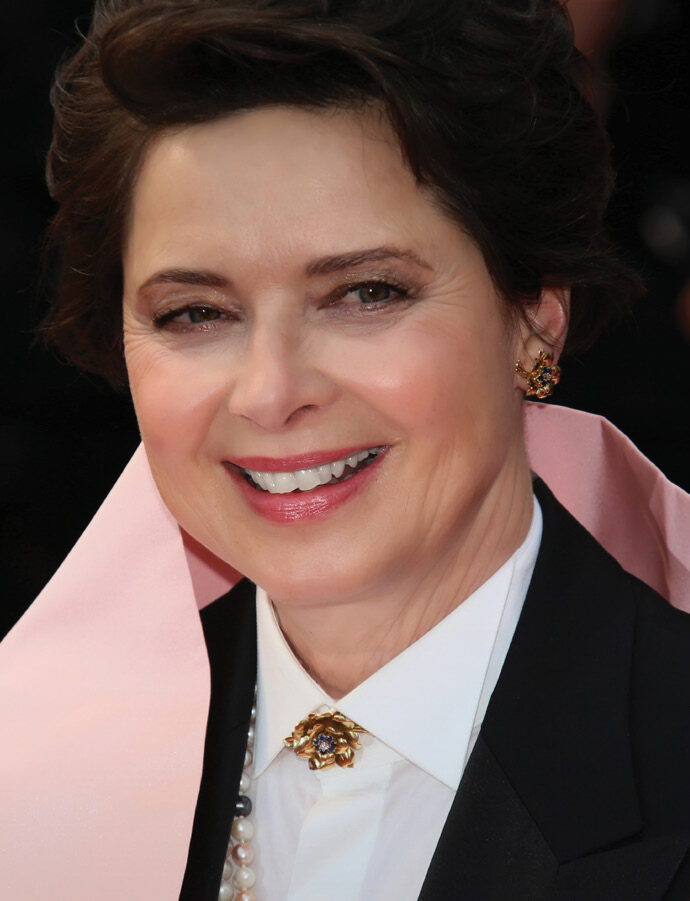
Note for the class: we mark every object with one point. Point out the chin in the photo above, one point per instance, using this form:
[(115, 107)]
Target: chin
[(321, 577)]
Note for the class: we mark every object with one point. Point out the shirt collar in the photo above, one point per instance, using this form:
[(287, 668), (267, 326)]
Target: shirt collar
[(406, 703)]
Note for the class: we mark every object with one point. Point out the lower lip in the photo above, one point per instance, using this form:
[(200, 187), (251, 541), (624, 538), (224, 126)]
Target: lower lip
[(299, 506)]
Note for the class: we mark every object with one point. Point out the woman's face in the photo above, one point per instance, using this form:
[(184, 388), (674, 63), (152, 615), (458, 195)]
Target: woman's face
[(293, 299)]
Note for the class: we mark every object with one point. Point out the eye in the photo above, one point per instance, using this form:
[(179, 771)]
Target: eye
[(201, 314), (194, 314), (377, 292)]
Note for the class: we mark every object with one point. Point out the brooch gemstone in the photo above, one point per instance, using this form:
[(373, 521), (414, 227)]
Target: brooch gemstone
[(324, 744)]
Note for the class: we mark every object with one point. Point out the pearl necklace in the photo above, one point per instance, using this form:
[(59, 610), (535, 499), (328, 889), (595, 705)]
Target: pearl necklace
[(238, 876)]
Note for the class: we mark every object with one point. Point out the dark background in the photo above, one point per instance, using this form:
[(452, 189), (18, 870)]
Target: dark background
[(67, 436)]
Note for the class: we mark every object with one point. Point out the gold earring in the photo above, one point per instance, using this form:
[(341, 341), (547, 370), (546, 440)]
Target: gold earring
[(542, 378)]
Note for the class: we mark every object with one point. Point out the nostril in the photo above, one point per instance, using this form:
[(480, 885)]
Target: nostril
[(296, 414)]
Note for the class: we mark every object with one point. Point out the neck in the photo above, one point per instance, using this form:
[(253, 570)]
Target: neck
[(342, 643)]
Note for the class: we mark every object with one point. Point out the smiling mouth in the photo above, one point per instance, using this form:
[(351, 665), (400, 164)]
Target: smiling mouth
[(304, 480)]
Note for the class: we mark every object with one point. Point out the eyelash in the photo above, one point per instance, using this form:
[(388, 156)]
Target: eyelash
[(402, 293), (168, 317)]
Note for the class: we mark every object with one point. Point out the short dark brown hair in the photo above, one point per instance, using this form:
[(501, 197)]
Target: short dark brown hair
[(485, 97)]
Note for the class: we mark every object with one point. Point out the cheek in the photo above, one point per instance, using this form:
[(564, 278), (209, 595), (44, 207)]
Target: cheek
[(432, 378), (176, 398)]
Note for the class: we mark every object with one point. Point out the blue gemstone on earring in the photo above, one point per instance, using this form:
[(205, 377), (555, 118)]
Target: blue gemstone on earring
[(243, 806), (324, 745), (546, 376)]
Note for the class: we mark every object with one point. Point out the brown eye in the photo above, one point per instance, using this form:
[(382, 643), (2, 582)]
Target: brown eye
[(375, 293)]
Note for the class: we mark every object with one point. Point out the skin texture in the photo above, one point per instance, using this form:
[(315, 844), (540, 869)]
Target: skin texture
[(283, 361)]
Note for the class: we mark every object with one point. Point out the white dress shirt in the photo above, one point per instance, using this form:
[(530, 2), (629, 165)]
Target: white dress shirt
[(369, 832)]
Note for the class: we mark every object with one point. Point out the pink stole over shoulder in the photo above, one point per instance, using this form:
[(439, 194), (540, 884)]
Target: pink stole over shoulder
[(104, 683)]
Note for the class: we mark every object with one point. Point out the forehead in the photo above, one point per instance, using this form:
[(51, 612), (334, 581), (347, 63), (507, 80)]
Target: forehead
[(274, 179)]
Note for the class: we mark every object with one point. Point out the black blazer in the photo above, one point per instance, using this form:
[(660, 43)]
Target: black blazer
[(578, 788)]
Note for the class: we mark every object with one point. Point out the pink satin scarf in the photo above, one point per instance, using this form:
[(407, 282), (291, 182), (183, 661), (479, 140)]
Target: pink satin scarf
[(104, 683)]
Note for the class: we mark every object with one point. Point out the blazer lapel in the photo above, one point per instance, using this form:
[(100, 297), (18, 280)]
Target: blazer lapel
[(230, 632), (549, 796), (490, 847)]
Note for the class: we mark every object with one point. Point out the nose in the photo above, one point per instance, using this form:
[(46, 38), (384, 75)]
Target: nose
[(278, 379)]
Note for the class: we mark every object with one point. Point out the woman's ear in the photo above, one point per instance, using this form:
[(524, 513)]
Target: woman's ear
[(543, 325)]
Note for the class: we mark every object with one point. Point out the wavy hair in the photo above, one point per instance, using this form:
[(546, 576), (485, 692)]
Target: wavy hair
[(485, 96)]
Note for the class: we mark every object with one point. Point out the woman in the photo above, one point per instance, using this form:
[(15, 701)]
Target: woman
[(342, 243)]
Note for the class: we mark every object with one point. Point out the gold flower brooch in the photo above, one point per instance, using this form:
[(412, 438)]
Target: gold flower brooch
[(325, 739)]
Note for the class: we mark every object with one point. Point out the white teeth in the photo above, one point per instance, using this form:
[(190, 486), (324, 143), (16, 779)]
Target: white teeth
[(260, 479), (325, 474), (307, 479), (285, 482)]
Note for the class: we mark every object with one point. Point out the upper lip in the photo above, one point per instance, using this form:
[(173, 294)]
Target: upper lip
[(298, 461)]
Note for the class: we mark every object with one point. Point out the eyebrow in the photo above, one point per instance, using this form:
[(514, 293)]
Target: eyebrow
[(201, 277), (339, 262), (323, 266)]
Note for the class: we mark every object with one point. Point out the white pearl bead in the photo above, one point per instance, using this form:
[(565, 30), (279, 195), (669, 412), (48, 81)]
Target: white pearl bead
[(245, 784), (250, 735), (226, 892), (244, 878), (248, 757), (242, 830), (245, 896), (227, 870)]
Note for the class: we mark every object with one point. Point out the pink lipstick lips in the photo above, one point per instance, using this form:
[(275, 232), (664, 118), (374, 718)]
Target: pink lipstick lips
[(305, 487)]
